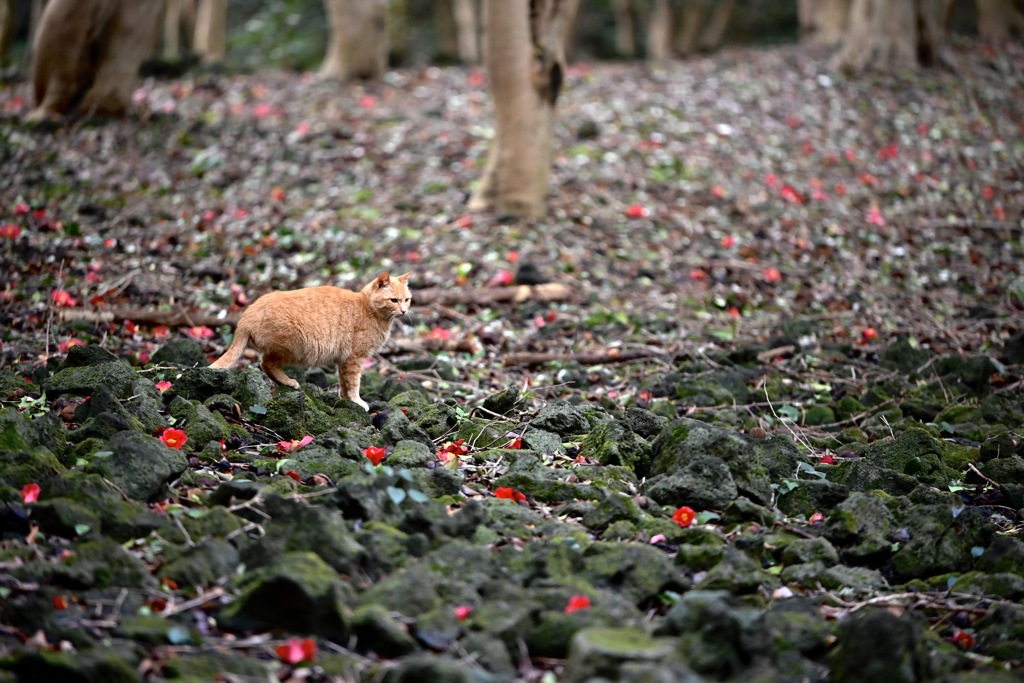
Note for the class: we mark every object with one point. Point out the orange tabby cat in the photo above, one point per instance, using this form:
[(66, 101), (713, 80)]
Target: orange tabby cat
[(321, 326)]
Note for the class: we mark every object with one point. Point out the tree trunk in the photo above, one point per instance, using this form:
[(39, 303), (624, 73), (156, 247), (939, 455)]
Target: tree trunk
[(999, 21), (685, 27), (625, 42), (882, 35), (823, 21), (714, 30), (525, 65), (358, 43), (467, 31), (6, 26), (211, 31), (175, 17)]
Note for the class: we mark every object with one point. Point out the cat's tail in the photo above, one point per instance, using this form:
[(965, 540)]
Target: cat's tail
[(234, 352)]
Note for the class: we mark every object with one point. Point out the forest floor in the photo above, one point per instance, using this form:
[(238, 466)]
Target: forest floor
[(749, 239)]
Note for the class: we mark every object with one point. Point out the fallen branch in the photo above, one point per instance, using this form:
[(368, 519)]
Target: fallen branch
[(549, 292), (532, 359)]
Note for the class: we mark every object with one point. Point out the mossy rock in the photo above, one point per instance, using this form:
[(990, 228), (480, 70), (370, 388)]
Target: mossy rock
[(639, 572), (970, 375), (297, 527), (810, 496), (904, 356), (22, 467), (437, 420), (293, 414), (184, 353), (200, 424), (64, 517), (703, 482), (102, 563), (398, 428), (378, 632), (601, 653), (299, 592), (484, 433), (213, 664), (411, 399), (139, 465), (874, 644), (411, 454), (614, 443), (917, 453), (46, 432), (862, 525), (717, 635), (754, 465), (120, 519), (96, 665), (818, 415), (562, 418), (207, 563), (199, 384), (542, 441), (504, 401), (939, 542), (252, 387), (83, 372)]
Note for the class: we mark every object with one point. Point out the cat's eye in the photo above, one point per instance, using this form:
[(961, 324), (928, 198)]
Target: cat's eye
[(394, 301)]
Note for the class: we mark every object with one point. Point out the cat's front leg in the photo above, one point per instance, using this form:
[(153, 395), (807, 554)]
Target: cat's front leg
[(349, 374)]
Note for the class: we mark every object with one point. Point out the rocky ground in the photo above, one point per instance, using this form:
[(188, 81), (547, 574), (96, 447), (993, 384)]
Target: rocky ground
[(763, 422)]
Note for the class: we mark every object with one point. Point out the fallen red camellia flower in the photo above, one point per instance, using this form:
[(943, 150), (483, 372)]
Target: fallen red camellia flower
[(576, 603), (375, 454), (174, 438), (294, 444), (684, 516), (295, 650), (462, 612), (509, 493), (30, 492)]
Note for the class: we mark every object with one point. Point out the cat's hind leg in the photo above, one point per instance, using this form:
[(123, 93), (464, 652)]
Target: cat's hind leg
[(349, 373), (271, 365)]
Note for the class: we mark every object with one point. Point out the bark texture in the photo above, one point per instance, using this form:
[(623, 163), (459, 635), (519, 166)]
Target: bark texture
[(6, 26), (823, 22), (86, 55), (1000, 20), (179, 19), (211, 30), (358, 43), (525, 62), (894, 34), (688, 27)]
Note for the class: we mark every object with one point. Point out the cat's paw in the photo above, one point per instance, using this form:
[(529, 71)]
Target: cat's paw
[(292, 383), (364, 404)]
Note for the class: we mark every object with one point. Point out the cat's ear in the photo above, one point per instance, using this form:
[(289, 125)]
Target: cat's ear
[(383, 280), (405, 276)]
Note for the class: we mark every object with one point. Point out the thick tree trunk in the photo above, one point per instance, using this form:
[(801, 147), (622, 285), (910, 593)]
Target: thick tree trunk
[(684, 25), (358, 43), (882, 34), (86, 54), (660, 35), (999, 21), (467, 31), (823, 21), (211, 31), (179, 19), (525, 65), (714, 29), (625, 42), (6, 26)]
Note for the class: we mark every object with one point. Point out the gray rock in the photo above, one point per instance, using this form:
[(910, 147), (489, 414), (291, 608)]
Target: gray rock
[(183, 352), (602, 652), (398, 428), (562, 418), (542, 441), (140, 465), (876, 645), (83, 380), (298, 592)]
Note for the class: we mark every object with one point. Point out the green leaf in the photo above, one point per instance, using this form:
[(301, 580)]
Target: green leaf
[(178, 635), (707, 516), (977, 551), (396, 494), (789, 412), (258, 410), (281, 464), (82, 529), (808, 468), (417, 496)]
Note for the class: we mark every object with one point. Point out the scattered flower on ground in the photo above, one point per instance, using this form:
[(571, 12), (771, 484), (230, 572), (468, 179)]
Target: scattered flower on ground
[(576, 603), (684, 516), (174, 438)]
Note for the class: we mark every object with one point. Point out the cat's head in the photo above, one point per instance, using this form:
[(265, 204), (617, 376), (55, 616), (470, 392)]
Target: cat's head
[(389, 296)]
